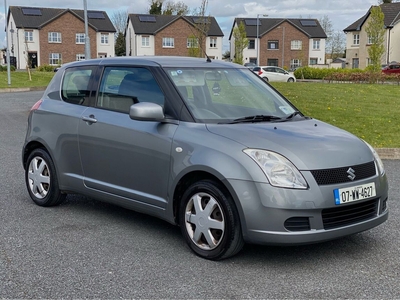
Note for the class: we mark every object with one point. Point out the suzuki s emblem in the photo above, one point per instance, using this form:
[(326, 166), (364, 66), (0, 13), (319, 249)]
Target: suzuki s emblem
[(351, 173)]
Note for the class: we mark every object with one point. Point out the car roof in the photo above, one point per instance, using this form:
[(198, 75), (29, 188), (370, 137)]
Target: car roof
[(161, 61)]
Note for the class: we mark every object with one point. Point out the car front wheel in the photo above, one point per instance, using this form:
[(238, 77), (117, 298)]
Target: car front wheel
[(41, 179), (290, 79), (209, 221)]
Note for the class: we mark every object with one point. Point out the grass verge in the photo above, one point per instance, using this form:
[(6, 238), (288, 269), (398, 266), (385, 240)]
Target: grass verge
[(366, 110), (20, 79)]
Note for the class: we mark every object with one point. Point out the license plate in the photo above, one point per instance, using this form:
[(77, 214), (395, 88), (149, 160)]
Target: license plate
[(354, 193)]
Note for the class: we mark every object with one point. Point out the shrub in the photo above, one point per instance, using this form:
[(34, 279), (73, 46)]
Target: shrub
[(46, 68)]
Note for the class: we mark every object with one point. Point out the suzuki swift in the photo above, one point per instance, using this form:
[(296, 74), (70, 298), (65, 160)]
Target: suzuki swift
[(203, 144)]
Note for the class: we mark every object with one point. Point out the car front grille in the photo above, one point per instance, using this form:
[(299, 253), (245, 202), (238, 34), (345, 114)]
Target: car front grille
[(341, 175), (349, 214)]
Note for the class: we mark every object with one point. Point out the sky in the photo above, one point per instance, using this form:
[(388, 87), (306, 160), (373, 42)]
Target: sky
[(341, 12)]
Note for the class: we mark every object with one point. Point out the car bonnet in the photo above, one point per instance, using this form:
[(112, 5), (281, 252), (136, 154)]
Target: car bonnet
[(309, 144)]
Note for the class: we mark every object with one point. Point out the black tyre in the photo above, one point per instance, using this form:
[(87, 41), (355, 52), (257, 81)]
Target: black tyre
[(266, 79), (290, 79), (41, 179), (209, 221)]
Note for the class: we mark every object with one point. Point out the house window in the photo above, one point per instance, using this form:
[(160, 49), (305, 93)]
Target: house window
[(213, 42), (356, 39), (55, 59), (272, 62), (80, 57), (296, 45), (316, 44), (28, 36), (80, 38), (273, 45), (295, 63), (168, 42), (313, 60), (54, 37), (370, 40), (145, 41), (192, 43), (104, 39), (252, 44)]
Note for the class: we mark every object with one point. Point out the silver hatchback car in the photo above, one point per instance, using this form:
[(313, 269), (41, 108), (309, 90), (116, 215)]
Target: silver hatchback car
[(206, 145)]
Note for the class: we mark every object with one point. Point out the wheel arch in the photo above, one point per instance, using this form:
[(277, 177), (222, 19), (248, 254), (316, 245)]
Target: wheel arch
[(29, 147), (197, 175)]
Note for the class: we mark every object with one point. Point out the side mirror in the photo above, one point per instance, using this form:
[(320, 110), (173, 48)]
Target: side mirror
[(146, 111)]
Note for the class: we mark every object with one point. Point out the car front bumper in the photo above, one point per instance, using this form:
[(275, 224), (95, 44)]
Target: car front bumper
[(277, 216)]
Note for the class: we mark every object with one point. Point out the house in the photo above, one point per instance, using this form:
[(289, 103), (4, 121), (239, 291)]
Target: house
[(41, 35), (172, 35), (287, 43), (357, 40)]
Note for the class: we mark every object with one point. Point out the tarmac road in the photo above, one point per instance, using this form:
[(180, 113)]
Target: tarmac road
[(87, 249)]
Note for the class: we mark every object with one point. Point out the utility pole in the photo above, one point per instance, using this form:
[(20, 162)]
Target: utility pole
[(87, 38), (8, 44)]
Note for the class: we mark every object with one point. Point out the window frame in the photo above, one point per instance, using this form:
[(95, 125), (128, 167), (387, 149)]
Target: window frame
[(104, 38), (316, 44), (213, 42), (80, 56), (296, 45), (80, 38), (52, 59), (192, 42), (145, 41), (28, 34), (168, 42), (273, 42), (54, 37), (356, 39)]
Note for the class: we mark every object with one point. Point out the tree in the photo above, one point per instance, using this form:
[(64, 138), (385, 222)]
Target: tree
[(201, 27), (337, 44), (376, 34), (241, 42), (171, 8), (178, 8), (155, 7), (120, 46), (119, 20)]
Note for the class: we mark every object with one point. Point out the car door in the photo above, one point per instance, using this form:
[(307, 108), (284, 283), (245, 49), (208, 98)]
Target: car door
[(121, 156), (281, 75)]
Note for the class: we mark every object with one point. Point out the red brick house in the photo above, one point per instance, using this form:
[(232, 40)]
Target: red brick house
[(287, 43), (170, 35), (51, 36)]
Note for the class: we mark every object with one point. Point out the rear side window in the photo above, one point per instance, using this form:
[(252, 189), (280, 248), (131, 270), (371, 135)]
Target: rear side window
[(75, 85), (122, 87)]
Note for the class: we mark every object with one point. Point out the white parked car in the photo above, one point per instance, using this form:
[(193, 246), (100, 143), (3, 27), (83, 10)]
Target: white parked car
[(271, 73)]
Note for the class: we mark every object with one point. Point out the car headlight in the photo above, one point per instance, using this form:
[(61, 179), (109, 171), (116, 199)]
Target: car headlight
[(279, 171), (379, 163)]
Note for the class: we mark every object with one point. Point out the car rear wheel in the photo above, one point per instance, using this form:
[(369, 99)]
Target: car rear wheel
[(41, 179), (209, 221), (290, 79), (266, 79)]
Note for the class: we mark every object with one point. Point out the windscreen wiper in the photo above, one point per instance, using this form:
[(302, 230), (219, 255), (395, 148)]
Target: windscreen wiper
[(255, 119)]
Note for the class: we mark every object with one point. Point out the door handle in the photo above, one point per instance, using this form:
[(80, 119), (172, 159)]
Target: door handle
[(89, 119)]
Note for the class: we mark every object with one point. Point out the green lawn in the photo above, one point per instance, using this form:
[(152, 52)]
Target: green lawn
[(367, 110), (20, 79)]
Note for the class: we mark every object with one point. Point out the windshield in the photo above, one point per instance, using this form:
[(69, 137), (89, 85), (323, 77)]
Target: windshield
[(228, 95)]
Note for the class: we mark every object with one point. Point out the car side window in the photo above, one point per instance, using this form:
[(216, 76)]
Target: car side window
[(75, 85), (122, 87)]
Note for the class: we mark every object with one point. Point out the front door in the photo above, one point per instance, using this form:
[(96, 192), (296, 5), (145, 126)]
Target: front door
[(122, 156), (33, 60)]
